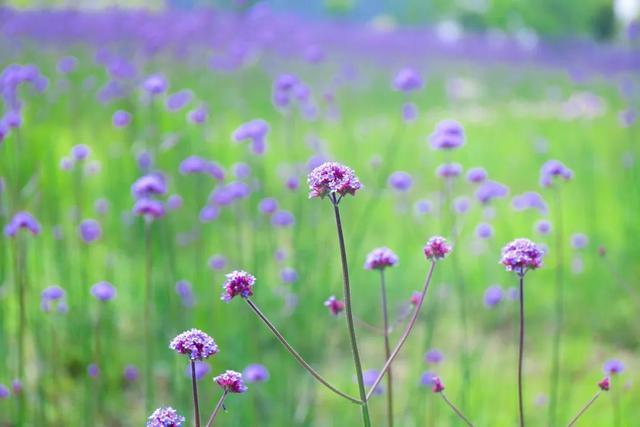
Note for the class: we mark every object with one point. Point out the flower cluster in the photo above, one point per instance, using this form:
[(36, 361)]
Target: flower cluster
[(256, 373), (255, 131), (143, 190), (195, 344), (90, 230), (53, 295), (554, 169), (489, 190), (380, 258), (165, 417), (22, 220), (436, 248), (521, 255), (335, 305), (605, 384), (198, 165), (231, 382), (103, 291), (449, 170), (238, 283), (438, 385), (447, 135), (407, 80), (331, 179)]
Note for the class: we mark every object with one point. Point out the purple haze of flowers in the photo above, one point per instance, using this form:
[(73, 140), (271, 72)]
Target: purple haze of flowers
[(423, 207), (554, 169), (198, 116), (149, 208), (238, 283), (334, 305), (196, 164), (332, 179), (493, 296), (90, 230), (241, 170), (380, 258), (103, 291), (195, 344), (155, 84), (130, 373), (521, 255), (255, 131), (217, 262), (4, 392), (209, 213), (579, 240), (434, 356), (449, 170), (476, 175), (121, 119), (183, 289), (613, 367), (177, 101), (407, 80), (231, 382), (268, 205), (255, 373), (543, 227), (202, 369), (282, 219), (436, 248), (288, 275), (484, 231), (448, 135), (149, 185), (174, 202), (22, 221), (529, 200), (400, 181), (489, 190), (165, 417), (67, 64)]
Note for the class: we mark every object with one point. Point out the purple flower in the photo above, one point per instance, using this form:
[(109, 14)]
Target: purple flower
[(282, 219), (22, 221), (484, 231), (80, 152), (476, 175), (605, 384), (238, 283), (332, 179), (489, 190), (613, 367), (529, 200), (268, 205), (554, 169), (149, 208), (217, 262), (493, 296), (101, 206), (438, 385), (256, 373), (241, 170), (521, 255), (202, 369), (198, 116), (434, 356), (4, 392), (436, 248), (407, 80), (543, 226), (409, 112), (288, 275), (183, 289), (369, 377), (255, 131), (145, 160), (93, 370), (461, 205), (174, 202), (426, 379), (103, 291), (90, 230), (165, 417), (67, 64), (231, 382), (400, 181), (449, 170), (448, 135), (209, 213), (66, 163), (155, 84), (422, 207), (195, 344), (16, 386), (148, 185), (380, 258), (177, 101), (52, 293), (292, 183), (130, 373), (579, 240), (121, 119), (196, 164), (335, 305)]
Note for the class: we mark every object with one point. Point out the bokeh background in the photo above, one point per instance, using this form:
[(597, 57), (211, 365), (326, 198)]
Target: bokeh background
[(528, 81)]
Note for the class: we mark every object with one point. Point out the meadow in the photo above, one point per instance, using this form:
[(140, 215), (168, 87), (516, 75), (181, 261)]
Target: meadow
[(116, 96)]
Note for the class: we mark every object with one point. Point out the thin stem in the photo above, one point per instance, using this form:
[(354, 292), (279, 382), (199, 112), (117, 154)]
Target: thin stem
[(19, 279), (521, 351), (559, 312), (584, 408), (147, 316), (194, 384), (368, 326), (352, 331), (455, 409), (296, 355), (214, 414), (387, 349), (405, 334)]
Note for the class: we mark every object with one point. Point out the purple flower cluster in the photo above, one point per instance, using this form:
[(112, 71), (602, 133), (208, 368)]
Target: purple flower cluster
[(231, 382), (438, 385), (449, 170), (448, 135), (400, 181), (332, 179), (22, 221), (90, 230), (256, 373), (613, 367), (493, 296), (198, 165), (334, 305), (238, 283), (165, 417), (407, 80), (529, 200), (53, 295), (144, 189), (255, 131), (476, 175), (521, 255), (103, 291), (380, 258), (554, 169), (121, 119), (195, 344), (436, 248), (489, 190)]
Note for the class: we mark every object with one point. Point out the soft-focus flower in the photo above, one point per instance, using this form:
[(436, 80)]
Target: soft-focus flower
[(416, 297), (195, 344), (613, 367), (521, 255), (198, 116), (22, 221), (409, 112), (447, 135), (196, 164), (130, 373), (554, 169), (90, 230), (333, 180), (202, 369), (484, 230), (241, 170), (434, 356), (174, 202), (476, 175), (101, 206), (52, 294), (238, 283), (529, 200), (178, 100), (579, 240), (493, 296), (543, 226), (438, 385), (16, 386), (155, 84), (490, 190), (605, 384), (121, 119), (436, 248), (292, 183), (103, 291), (282, 219), (183, 289), (407, 80), (380, 258), (80, 152), (426, 379), (67, 64), (335, 305), (93, 370), (231, 382), (461, 205), (256, 373), (165, 417), (254, 131), (449, 170), (400, 181), (369, 377), (4, 392), (288, 275), (209, 213), (149, 208), (217, 262), (422, 207), (268, 205), (149, 185)]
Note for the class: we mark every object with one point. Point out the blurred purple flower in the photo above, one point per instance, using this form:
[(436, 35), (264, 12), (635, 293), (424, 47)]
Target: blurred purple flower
[(529, 200), (461, 204), (209, 213), (369, 377), (178, 100), (484, 230), (149, 208), (90, 230), (103, 291), (268, 205), (409, 112), (93, 370), (282, 219), (155, 84), (489, 190), (22, 221), (67, 64), (554, 169), (434, 356), (335, 305), (256, 373), (121, 119), (255, 131), (449, 170), (400, 181), (579, 240), (130, 373), (543, 226), (476, 175), (174, 202), (448, 135), (183, 289), (148, 185), (198, 116), (202, 369), (493, 296), (380, 258), (407, 80), (288, 275), (80, 152), (196, 164), (217, 262), (613, 367)]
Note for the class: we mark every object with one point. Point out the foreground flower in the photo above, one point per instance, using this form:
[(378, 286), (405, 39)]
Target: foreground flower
[(380, 258), (438, 385), (231, 382), (335, 305), (436, 248), (195, 344), (238, 283), (332, 179), (165, 417), (521, 255)]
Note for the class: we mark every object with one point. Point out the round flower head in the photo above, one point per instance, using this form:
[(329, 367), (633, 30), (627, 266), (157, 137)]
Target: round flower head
[(93, 370), (426, 379), (335, 305), (22, 221), (434, 356), (288, 275), (67, 64), (217, 262), (490, 190), (484, 230), (16, 386), (543, 227), (149, 208), (438, 385), (400, 181), (409, 112), (333, 180), (282, 219), (238, 283), (407, 80), (579, 240), (268, 205), (178, 100), (155, 84), (521, 255), (197, 164), (52, 293), (476, 175), (174, 202), (130, 373), (80, 152), (416, 297), (90, 230), (148, 185), (449, 170), (4, 392), (493, 296), (202, 370), (183, 289), (195, 344), (256, 373), (103, 291), (461, 205), (121, 119), (436, 248), (231, 382), (605, 384), (448, 135), (380, 258), (165, 417), (554, 169), (613, 367)]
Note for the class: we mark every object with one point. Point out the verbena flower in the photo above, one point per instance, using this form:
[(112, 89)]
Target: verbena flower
[(238, 283), (256, 373), (195, 344), (231, 382), (202, 369), (493, 296), (121, 119), (448, 135), (438, 385), (149, 185), (197, 164), (461, 205), (256, 132), (605, 384), (369, 377), (22, 221), (4, 392), (165, 417), (150, 208), (407, 80), (579, 240), (484, 230), (282, 219), (183, 289), (380, 258), (130, 373), (543, 226), (155, 84), (268, 205), (426, 379), (80, 152), (103, 291), (436, 248), (288, 275), (400, 181), (489, 190), (332, 179), (217, 262), (449, 170), (613, 367), (476, 175), (335, 305), (521, 255), (90, 230), (529, 200), (178, 100), (434, 356), (554, 169)]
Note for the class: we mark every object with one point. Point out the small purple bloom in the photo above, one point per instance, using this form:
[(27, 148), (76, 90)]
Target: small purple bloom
[(369, 377), (183, 289), (4, 392), (148, 185), (335, 305), (80, 152), (103, 291), (493, 296), (476, 175), (292, 183), (174, 202), (288, 275), (333, 179), (255, 131), (579, 240), (177, 101), (196, 164), (209, 213), (93, 370), (529, 200), (217, 262), (268, 205), (90, 230), (438, 385), (101, 206), (461, 205), (605, 384), (554, 169), (121, 119), (489, 190), (436, 248), (130, 373), (241, 170), (16, 386), (448, 135), (400, 181), (238, 283), (231, 382), (543, 226), (256, 373), (22, 221), (407, 80), (195, 344), (613, 367), (423, 207), (434, 357), (521, 255), (198, 116), (282, 219), (52, 293), (149, 208), (484, 231), (67, 64), (155, 84), (202, 369), (449, 170), (426, 379), (165, 417), (380, 258), (409, 112)]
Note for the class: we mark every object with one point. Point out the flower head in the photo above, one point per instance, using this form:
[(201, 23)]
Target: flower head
[(369, 377), (521, 255), (529, 200), (231, 382), (407, 80), (4, 392), (448, 135), (195, 344), (256, 373), (449, 170), (436, 248), (121, 119), (493, 296), (434, 356), (484, 230), (80, 152), (288, 275), (155, 84), (416, 297), (103, 291), (490, 190), (579, 240), (148, 185), (476, 175), (438, 385), (332, 179), (268, 205), (605, 384), (380, 258), (335, 305), (238, 283), (282, 219), (543, 226), (613, 367), (22, 220), (554, 169), (400, 181), (90, 230), (149, 208), (165, 417), (130, 373)]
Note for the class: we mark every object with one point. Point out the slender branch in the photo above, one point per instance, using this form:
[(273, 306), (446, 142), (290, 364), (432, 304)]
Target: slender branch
[(214, 414), (405, 334), (296, 355), (387, 349), (194, 384), (352, 331), (521, 351), (455, 409), (584, 408), (147, 315)]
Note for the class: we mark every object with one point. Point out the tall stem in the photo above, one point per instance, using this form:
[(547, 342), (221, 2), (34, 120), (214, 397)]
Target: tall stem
[(387, 349), (147, 317), (20, 289), (194, 384), (584, 409), (521, 351), (352, 332), (455, 409), (559, 312), (296, 355), (405, 334), (214, 414)]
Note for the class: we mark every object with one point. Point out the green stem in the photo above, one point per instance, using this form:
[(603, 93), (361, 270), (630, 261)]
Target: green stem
[(214, 414), (584, 409), (521, 351), (455, 409), (147, 318), (387, 349)]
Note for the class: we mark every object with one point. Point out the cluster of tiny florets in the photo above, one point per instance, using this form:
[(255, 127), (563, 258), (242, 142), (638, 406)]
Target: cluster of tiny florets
[(521, 255), (436, 248), (195, 344), (380, 258), (231, 382), (331, 179), (238, 283), (165, 417)]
